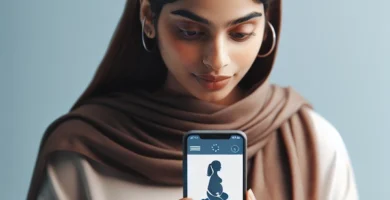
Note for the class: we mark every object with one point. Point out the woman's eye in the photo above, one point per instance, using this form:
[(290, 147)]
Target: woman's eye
[(188, 34), (240, 36)]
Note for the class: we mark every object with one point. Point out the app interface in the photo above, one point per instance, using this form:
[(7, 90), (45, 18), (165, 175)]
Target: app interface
[(215, 168)]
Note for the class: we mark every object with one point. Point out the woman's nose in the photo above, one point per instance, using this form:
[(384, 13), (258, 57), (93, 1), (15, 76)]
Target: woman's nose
[(216, 55)]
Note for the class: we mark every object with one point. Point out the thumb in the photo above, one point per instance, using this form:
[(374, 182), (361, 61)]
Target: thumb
[(250, 195)]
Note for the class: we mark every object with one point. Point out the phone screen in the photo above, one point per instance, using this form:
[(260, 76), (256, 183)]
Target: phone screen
[(214, 167)]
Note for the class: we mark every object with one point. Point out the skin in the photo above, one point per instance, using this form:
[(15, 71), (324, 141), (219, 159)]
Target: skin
[(191, 47)]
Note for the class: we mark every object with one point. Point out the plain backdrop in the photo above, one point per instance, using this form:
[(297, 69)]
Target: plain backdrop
[(335, 53)]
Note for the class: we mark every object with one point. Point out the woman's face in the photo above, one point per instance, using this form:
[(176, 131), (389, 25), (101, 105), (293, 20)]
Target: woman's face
[(208, 46)]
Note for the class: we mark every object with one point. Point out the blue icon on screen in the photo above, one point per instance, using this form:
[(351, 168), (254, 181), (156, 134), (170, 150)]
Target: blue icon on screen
[(215, 188), (234, 148), (215, 148)]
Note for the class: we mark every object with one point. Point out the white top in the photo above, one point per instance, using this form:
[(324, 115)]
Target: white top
[(71, 177)]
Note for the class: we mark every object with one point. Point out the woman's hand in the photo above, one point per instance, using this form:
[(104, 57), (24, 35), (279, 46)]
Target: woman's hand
[(249, 196)]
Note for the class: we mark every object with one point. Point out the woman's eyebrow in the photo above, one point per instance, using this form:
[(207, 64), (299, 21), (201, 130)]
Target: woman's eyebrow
[(192, 16), (244, 18)]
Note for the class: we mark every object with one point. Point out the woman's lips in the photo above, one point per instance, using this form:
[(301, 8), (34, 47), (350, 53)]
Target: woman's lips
[(212, 82)]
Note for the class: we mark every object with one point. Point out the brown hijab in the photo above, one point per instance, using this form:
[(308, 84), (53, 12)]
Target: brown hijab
[(138, 132)]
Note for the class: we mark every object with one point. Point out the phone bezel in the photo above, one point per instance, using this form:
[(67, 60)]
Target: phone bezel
[(216, 132)]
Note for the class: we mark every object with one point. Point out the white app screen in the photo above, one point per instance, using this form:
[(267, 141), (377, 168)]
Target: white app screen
[(215, 176)]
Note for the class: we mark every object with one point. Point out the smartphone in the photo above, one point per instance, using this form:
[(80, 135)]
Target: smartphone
[(214, 165)]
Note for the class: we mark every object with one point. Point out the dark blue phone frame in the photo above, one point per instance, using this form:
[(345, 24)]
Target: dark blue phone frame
[(214, 134)]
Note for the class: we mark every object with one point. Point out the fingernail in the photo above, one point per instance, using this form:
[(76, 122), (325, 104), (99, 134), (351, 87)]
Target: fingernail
[(251, 195)]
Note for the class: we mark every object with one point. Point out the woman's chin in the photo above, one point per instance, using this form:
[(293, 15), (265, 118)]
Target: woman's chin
[(223, 95), (217, 97)]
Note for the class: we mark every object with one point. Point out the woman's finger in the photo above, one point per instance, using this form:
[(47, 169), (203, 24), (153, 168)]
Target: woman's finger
[(186, 198), (250, 195)]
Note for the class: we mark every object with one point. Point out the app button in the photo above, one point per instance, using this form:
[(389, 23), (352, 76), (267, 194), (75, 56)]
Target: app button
[(194, 148), (234, 148), (215, 147)]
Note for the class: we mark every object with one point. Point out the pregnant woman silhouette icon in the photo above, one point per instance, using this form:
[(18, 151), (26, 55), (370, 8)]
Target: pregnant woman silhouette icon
[(215, 189)]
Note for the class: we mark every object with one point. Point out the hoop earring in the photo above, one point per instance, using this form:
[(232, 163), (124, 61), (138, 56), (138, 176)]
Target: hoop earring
[(143, 37), (273, 41)]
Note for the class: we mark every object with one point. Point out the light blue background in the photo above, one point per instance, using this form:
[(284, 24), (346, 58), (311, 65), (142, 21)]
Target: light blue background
[(336, 53)]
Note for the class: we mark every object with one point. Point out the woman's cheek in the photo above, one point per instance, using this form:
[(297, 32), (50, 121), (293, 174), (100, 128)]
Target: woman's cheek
[(176, 50), (247, 58), (186, 53), (244, 59)]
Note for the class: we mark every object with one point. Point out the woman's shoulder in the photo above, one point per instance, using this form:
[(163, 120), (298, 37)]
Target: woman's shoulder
[(85, 119), (70, 175), (65, 177), (73, 176), (328, 137), (336, 175)]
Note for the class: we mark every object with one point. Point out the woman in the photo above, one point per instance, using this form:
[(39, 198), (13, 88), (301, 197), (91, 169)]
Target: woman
[(178, 65), (215, 188)]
